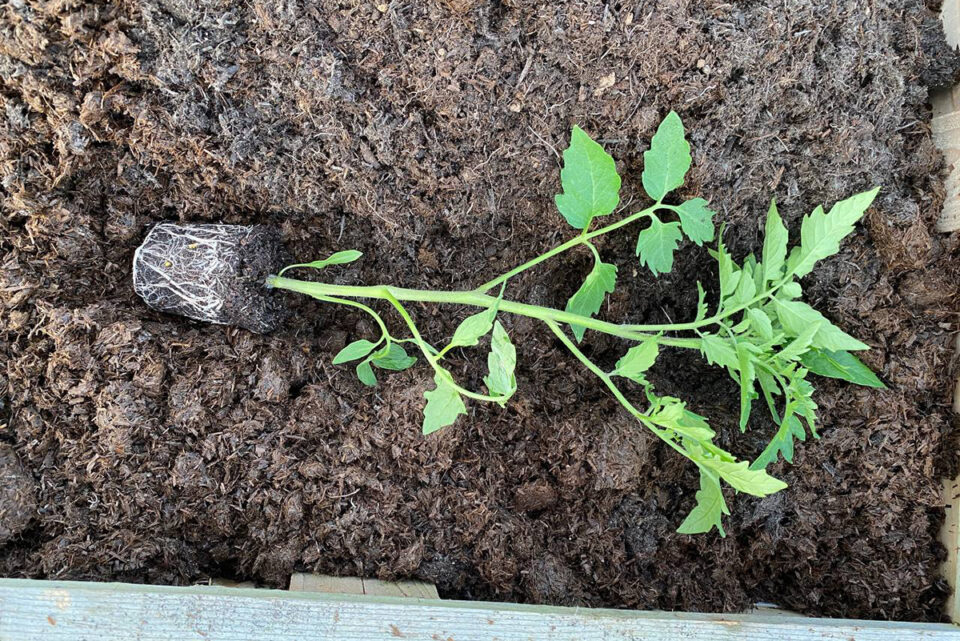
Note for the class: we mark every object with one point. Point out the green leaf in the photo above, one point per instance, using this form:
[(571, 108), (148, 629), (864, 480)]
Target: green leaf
[(742, 478), (637, 360), (781, 443), (393, 357), (719, 351), (473, 328), (801, 395), (671, 413), (790, 290), (701, 303), (697, 220), (769, 387), (353, 351), (760, 323), (501, 362), (666, 162), (365, 374), (774, 245), (746, 289), (842, 365), (591, 185), (601, 280), (796, 316), (747, 378), (339, 258), (444, 405), (708, 512), (820, 234), (800, 344), (729, 274), (656, 244)]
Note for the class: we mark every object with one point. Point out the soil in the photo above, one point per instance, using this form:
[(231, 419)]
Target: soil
[(425, 134)]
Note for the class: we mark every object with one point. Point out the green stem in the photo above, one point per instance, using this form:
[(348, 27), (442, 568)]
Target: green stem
[(646, 420), (440, 371), (573, 242), (477, 299), (361, 306), (716, 318)]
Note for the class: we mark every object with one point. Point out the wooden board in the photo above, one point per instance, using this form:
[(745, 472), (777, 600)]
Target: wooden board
[(946, 125), (60, 610), (946, 135), (950, 533), (302, 582)]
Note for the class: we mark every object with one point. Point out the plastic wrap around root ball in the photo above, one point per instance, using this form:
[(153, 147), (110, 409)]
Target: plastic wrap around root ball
[(212, 273)]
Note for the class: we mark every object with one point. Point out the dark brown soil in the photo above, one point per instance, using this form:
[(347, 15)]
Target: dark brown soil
[(426, 134)]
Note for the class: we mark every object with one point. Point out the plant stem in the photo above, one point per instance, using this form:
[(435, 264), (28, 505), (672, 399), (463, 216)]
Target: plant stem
[(361, 306), (573, 242), (440, 371), (477, 299), (647, 421)]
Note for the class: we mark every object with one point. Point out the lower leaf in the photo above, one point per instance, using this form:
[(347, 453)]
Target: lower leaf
[(501, 362), (601, 280), (781, 443), (444, 405), (842, 365), (710, 508)]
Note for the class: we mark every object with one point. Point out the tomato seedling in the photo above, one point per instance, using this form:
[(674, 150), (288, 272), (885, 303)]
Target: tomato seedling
[(760, 331)]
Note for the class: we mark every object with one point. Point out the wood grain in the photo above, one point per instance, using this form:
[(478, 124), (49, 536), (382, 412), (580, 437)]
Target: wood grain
[(60, 610)]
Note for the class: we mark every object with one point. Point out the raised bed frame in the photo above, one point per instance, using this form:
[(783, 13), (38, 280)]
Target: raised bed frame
[(51, 610)]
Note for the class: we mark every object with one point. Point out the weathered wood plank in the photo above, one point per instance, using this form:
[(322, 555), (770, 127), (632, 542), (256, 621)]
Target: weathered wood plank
[(947, 137), (407, 589), (950, 532), (55, 610), (302, 582)]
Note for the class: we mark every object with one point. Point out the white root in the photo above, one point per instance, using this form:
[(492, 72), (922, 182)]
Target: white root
[(189, 269)]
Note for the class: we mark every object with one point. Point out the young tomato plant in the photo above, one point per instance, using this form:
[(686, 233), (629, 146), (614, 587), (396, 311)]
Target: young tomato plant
[(760, 331)]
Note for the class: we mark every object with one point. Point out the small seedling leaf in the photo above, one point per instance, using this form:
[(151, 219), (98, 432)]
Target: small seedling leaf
[(339, 258), (656, 244), (353, 351), (393, 357), (666, 162), (638, 360), (473, 328), (842, 365), (591, 185), (501, 362), (587, 301), (444, 405), (709, 511), (696, 219), (365, 374)]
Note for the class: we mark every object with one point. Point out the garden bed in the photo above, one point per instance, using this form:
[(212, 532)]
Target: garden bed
[(425, 135)]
